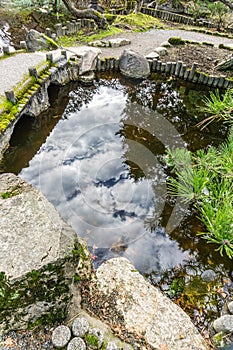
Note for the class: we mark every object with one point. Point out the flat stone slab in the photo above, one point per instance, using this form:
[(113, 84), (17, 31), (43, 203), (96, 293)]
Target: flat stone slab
[(115, 42), (144, 310), (32, 233)]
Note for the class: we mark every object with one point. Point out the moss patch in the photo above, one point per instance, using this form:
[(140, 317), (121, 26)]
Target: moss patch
[(175, 40), (138, 22)]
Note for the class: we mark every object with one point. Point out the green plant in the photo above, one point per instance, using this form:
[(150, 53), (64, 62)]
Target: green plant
[(207, 182), (220, 107), (175, 40)]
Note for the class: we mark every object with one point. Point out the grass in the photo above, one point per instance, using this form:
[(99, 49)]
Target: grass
[(102, 34), (206, 181)]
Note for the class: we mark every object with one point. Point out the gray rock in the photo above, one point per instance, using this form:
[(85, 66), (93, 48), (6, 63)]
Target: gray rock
[(88, 61), (99, 336), (111, 346), (144, 309), (162, 51), (208, 275), (38, 41), (80, 327), (98, 43), (224, 324), (152, 55), (134, 65), (31, 229), (37, 248), (165, 44), (61, 336), (230, 307), (117, 42), (76, 344)]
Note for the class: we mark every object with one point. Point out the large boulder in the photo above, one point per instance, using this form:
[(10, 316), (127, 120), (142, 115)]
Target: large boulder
[(40, 256), (38, 41), (140, 310), (134, 65)]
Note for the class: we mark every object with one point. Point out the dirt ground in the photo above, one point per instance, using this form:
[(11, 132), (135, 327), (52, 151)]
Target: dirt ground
[(205, 56)]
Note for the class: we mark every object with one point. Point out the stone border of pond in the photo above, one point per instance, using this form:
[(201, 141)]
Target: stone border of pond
[(31, 96)]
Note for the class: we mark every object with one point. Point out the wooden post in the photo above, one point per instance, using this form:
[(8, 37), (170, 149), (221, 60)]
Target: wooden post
[(10, 96), (33, 72), (192, 71), (178, 67)]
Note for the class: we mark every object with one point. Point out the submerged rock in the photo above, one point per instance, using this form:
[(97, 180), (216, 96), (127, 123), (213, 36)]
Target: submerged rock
[(224, 324), (134, 65)]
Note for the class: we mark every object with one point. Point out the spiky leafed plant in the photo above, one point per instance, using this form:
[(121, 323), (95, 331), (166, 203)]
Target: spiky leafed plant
[(219, 107), (207, 182)]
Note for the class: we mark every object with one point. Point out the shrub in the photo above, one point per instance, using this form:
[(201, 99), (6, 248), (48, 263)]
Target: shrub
[(176, 41)]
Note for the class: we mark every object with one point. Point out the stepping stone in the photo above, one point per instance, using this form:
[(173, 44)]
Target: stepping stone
[(61, 336), (80, 327)]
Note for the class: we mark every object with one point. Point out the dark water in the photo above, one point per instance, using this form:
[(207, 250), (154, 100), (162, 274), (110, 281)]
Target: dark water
[(97, 156)]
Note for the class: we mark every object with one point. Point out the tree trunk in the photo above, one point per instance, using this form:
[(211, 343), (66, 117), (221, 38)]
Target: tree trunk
[(87, 13)]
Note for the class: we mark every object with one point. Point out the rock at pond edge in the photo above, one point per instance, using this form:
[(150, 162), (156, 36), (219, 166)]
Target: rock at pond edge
[(134, 65)]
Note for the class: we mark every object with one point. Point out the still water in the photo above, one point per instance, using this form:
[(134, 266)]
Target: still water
[(97, 155)]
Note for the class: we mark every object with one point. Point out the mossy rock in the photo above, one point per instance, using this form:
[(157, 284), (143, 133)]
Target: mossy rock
[(175, 40)]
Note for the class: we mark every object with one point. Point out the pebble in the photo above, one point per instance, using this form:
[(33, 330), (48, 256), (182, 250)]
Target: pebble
[(224, 324), (76, 344), (61, 336), (230, 307), (111, 346), (80, 327)]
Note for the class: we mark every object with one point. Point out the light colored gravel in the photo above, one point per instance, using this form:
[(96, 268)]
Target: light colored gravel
[(13, 69), (146, 42)]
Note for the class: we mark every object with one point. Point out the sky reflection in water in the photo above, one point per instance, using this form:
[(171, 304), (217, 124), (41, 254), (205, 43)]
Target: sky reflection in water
[(81, 169)]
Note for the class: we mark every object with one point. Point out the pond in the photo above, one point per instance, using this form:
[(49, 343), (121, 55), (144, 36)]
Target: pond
[(97, 155)]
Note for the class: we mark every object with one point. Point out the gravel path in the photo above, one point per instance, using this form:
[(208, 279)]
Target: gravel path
[(14, 68), (146, 42)]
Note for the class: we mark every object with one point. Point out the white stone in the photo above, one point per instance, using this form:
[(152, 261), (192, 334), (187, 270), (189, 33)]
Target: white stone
[(61, 336), (152, 55), (143, 309), (162, 51), (111, 346), (80, 327), (117, 42), (165, 44), (76, 344)]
